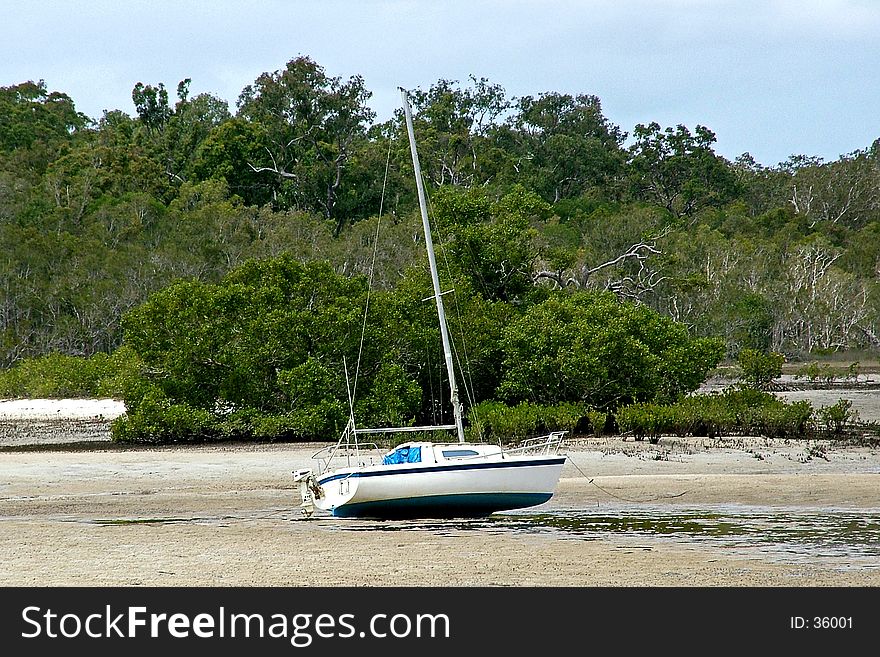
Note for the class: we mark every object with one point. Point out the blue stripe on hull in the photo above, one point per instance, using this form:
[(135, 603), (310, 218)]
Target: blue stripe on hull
[(442, 506)]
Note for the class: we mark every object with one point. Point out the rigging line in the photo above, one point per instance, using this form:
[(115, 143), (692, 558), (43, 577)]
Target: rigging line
[(357, 368), (440, 386), (625, 499), (431, 386), (469, 384), (467, 390)]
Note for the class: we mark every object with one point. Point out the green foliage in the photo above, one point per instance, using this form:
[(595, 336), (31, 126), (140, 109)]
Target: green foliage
[(492, 246), (121, 375), (313, 124), (452, 126), (565, 416), (58, 375), (760, 370), (812, 371), (593, 349), (745, 319), (703, 415), (827, 373), (853, 371), (492, 420), (454, 207), (597, 419), (562, 146), (741, 411), (226, 154), (157, 419), (836, 418), (151, 104), (792, 420), (394, 397), (644, 420), (264, 348), (32, 115), (678, 170)]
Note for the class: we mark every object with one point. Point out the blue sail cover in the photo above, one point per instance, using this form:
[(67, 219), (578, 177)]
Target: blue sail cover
[(403, 455)]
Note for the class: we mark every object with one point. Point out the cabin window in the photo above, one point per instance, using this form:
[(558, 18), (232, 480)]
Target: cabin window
[(459, 453), (403, 455)]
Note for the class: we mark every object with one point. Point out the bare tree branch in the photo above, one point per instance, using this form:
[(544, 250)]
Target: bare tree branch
[(644, 281)]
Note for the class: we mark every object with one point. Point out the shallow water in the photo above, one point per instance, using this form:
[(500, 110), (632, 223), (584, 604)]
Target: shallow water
[(840, 538), (864, 402)]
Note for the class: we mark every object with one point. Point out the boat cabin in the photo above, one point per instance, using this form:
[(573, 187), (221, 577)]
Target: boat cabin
[(433, 453)]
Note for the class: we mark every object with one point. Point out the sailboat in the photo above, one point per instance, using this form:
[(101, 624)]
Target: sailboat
[(423, 478)]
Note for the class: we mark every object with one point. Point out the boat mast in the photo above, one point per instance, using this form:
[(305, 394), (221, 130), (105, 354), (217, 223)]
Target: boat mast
[(429, 244)]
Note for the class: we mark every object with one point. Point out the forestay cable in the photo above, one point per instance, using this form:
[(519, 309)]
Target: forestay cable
[(370, 280)]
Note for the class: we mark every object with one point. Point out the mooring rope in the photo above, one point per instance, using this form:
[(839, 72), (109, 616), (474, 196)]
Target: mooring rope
[(619, 497)]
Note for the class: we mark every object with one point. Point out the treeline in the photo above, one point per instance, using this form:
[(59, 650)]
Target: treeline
[(96, 215), (263, 356), (277, 346)]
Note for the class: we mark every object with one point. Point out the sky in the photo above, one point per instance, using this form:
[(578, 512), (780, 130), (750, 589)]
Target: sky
[(773, 78)]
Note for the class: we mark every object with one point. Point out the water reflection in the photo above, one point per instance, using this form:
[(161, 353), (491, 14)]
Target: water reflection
[(848, 538)]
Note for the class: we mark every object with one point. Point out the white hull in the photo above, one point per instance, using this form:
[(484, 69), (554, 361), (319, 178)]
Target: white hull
[(468, 487)]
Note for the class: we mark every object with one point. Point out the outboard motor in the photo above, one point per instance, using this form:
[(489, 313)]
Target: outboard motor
[(309, 490)]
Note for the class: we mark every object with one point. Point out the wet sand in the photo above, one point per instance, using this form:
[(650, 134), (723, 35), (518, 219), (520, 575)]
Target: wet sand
[(25, 422), (228, 515)]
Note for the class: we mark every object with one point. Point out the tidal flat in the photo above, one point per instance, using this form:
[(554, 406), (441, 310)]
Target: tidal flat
[(737, 511)]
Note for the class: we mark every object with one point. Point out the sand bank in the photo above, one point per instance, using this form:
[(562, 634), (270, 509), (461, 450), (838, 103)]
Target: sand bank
[(227, 515)]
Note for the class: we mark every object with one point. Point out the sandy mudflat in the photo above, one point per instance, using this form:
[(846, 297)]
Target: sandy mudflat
[(228, 515)]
